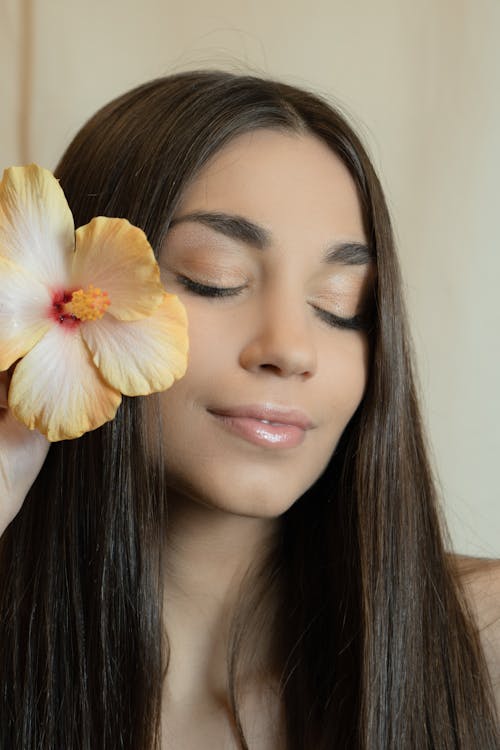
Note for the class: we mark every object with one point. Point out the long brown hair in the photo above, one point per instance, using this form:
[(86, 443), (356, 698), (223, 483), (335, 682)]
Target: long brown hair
[(377, 646)]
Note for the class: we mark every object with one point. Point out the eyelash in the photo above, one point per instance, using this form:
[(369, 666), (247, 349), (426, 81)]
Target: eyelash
[(209, 291), (356, 323)]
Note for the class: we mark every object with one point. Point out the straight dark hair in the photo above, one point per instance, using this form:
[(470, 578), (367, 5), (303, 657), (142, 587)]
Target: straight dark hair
[(376, 647)]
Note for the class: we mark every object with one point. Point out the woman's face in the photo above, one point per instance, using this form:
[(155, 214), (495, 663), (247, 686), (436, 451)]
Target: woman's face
[(266, 222)]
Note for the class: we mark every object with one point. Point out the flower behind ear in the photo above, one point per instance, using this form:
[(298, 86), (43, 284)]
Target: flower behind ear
[(85, 312)]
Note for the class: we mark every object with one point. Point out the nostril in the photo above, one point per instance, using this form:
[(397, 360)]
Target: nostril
[(284, 356), (270, 366), (286, 370)]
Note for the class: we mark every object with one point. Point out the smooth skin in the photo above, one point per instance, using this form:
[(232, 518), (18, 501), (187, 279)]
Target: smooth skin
[(269, 344)]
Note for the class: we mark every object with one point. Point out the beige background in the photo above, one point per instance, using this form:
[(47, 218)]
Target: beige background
[(419, 79)]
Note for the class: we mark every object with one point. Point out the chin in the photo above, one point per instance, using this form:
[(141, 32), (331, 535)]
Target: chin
[(264, 509), (242, 495)]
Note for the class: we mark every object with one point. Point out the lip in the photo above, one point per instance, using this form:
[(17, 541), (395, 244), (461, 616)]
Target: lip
[(287, 431), (282, 414)]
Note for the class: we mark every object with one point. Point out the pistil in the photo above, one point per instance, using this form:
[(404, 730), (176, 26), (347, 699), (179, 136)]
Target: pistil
[(88, 304), (73, 307)]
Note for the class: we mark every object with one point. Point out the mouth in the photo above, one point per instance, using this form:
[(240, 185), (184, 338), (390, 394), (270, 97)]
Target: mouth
[(267, 426)]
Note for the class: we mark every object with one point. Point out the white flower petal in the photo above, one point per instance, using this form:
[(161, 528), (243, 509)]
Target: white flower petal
[(57, 390), (24, 312), (140, 357), (36, 225)]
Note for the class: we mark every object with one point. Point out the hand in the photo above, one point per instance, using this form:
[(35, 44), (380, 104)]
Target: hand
[(22, 453)]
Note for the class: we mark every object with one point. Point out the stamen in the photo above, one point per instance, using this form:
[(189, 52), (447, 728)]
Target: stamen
[(88, 304)]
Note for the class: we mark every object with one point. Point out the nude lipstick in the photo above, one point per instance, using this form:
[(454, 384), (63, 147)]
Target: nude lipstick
[(266, 425)]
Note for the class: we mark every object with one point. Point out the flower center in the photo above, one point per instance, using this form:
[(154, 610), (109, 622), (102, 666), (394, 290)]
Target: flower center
[(70, 308), (88, 304)]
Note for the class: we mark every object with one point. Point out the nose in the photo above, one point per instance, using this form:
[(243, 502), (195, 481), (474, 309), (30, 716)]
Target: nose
[(281, 340)]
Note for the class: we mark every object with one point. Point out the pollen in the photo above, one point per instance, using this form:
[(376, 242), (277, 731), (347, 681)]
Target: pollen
[(88, 304)]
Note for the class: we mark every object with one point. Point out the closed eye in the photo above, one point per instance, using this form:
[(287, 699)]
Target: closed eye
[(209, 291), (356, 323)]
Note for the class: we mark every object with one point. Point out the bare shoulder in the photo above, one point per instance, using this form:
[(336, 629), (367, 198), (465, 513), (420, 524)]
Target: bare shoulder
[(481, 581)]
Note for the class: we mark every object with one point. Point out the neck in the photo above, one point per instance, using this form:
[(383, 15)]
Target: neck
[(208, 554)]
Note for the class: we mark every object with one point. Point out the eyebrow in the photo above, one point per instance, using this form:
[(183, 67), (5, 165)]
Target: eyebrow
[(240, 228)]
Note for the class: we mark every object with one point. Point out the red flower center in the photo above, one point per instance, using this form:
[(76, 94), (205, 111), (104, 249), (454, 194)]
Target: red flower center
[(72, 307)]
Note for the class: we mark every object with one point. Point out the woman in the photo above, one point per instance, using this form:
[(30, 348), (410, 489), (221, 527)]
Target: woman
[(253, 558)]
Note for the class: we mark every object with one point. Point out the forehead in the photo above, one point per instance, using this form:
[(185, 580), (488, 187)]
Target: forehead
[(279, 180)]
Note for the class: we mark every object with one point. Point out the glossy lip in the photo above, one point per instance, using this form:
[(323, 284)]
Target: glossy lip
[(282, 415)]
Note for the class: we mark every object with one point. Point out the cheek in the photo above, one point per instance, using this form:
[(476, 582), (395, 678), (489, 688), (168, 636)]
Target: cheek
[(208, 339), (347, 370)]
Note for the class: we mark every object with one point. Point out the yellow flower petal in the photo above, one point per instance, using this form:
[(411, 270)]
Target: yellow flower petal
[(116, 256), (57, 390), (141, 356), (24, 309), (36, 225)]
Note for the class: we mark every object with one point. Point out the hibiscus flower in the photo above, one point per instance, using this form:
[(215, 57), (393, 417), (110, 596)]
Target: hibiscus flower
[(84, 312)]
